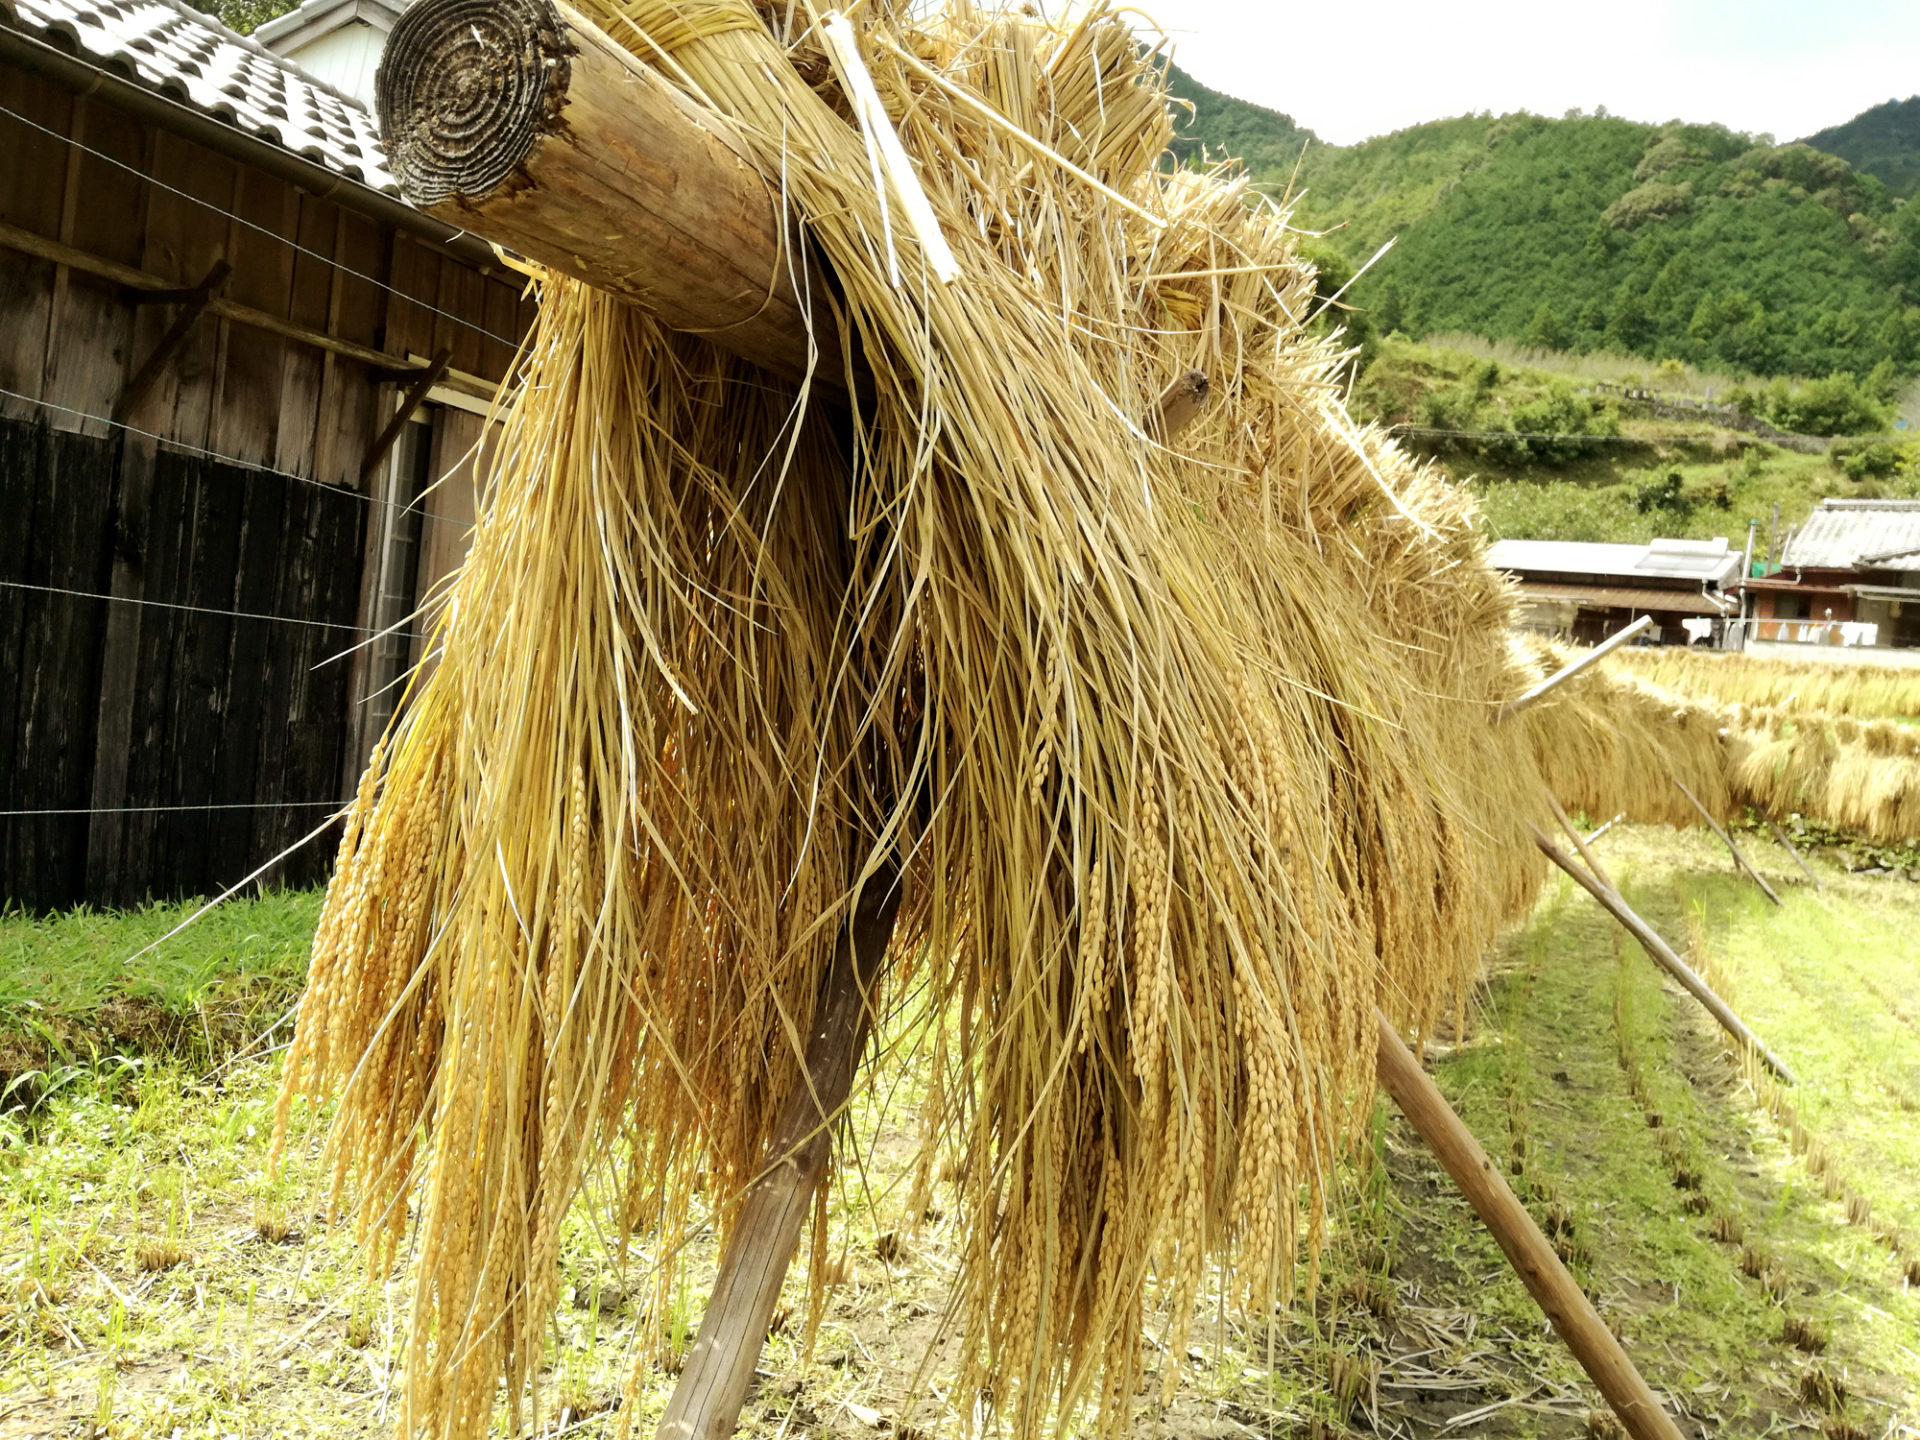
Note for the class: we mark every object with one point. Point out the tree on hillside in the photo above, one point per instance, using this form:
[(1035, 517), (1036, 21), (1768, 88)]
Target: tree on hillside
[(1547, 330)]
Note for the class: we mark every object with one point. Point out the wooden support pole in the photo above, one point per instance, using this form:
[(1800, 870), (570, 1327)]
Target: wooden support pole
[(1594, 838), (521, 121), (1566, 673), (1586, 853), (1793, 850), (1727, 840), (712, 1387), (193, 303), (409, 403), (1526, 1249), (1662, 954)]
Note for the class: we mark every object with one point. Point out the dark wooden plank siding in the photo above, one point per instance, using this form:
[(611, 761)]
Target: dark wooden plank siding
[(225, 712), (235, 487), (30, 193), (57, 490)]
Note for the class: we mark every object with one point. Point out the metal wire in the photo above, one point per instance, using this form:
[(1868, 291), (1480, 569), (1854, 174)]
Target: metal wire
[(172, 809), (251, 225), (205, 609), (233, 460)]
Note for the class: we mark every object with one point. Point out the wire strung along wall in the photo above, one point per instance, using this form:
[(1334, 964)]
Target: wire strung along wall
[(231, 706), (213, 534)]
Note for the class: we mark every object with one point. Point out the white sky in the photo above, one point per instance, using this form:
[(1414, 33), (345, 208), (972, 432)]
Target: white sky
[(1348, 71)]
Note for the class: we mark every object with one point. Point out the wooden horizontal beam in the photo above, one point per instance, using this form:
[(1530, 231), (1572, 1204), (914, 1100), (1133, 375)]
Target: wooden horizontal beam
[(148, 286), (520, 121)]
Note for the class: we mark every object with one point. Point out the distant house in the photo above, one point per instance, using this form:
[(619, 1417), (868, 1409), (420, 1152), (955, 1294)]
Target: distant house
[(1847, 586), (233, 360), (1585, 591)]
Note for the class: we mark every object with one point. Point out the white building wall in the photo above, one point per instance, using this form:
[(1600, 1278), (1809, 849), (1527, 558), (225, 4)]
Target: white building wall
[(345, 58)]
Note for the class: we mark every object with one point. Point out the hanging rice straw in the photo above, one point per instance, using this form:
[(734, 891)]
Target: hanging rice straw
[(1181, 744)]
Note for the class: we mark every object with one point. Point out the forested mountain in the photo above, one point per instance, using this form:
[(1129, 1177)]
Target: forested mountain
[(1269, 142), (1689, 241), (1884, 142)]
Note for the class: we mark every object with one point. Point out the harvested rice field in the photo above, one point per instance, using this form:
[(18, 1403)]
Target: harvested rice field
[(1759, 1250)]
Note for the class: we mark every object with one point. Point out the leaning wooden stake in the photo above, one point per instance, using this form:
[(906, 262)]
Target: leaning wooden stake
[(1663, 955), (706, 1401), (1566, 673), (1727, 840), (1594, 838), (1793, 850), (1586, 851), (1531, 1256)]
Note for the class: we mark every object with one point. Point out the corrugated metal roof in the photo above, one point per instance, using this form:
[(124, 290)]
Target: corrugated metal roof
[(1709, 561), (190, 56), (1846, 534)]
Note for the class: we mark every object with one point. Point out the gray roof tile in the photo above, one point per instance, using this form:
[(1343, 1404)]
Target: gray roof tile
[(171, 47), (1845, 534)]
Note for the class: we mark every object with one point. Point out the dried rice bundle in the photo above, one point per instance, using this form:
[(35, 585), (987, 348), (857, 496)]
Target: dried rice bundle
[(1182, 749), (1610, 742), (1859, 775), (1857, 688), (1604, 743)]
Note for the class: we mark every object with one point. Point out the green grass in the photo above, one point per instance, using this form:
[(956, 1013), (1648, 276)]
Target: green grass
[(155, 1278), (87, 984)]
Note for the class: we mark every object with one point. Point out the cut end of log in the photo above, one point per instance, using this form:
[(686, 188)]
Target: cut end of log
[(465, 90)]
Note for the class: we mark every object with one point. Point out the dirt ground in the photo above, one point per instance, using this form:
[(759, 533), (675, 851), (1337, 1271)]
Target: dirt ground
[(1755, 1247)]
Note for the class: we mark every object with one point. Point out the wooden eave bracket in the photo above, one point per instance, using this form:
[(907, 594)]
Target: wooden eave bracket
[(424, 381), (193, 302)]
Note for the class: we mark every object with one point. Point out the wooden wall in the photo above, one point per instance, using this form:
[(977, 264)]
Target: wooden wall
[(234, 485)]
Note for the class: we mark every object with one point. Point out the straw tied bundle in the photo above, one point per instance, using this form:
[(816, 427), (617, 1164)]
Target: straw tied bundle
[(1170, 750)]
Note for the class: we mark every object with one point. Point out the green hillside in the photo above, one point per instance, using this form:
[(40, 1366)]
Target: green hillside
[(1270, 143), (1691, 242), (1883, 142)]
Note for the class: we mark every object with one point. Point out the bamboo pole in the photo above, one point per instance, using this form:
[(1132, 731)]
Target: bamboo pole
[(1586, 852), (1526, 1249), (1793, 850), (712, 1387), (1727, 840), (1594, 838), (1662, 954), (1566, 673)]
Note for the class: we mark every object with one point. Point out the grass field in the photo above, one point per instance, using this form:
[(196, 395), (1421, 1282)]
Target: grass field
[(1753, 1248)]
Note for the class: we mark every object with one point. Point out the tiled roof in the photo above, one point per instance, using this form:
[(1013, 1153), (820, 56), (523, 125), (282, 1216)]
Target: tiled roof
[(182, 52), (1857, 534)]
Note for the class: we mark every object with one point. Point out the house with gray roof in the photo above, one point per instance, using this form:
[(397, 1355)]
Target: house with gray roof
[(1585, 591), (1847, 586)]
